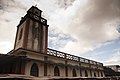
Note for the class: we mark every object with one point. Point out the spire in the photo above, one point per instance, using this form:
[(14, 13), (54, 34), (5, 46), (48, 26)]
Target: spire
[(35, 5)]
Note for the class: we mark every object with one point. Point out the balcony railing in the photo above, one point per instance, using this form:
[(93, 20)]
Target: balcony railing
[(71, 57)]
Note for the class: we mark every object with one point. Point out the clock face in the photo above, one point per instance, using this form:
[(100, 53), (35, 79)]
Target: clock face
[(43, 21)]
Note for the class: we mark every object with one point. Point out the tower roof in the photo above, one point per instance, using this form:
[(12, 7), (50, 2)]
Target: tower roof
[(34, 7)]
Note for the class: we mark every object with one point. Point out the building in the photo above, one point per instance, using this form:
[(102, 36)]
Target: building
[(116, 68), (32, 59), (109, 72), (112, 70)]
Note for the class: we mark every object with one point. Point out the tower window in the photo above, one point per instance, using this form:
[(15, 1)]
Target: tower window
[(56, 71), (34, 70), (74, 73), (20, 36), (35, 33), (36, 12)]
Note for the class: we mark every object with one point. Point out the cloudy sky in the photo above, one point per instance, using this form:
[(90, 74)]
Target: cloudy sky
[(86, 28)]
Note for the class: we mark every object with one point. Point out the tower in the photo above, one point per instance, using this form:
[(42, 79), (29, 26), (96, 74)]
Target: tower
[(32, 32)]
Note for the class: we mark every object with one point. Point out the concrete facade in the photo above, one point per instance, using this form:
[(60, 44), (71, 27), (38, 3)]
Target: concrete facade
[(65, 66)]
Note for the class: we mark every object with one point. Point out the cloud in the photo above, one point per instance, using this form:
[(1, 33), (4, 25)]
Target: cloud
[(4, 48), (10, 14), (56, 39), (92, 25), (65, 3), (115, 59)]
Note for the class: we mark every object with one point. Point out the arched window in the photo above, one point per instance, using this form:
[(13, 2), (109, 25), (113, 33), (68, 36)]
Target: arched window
[(101, 74), (34, 70), (74, 73), (94, 74), (86, 74), (80, 72), (20, 36), (98, 74), (56, 71)]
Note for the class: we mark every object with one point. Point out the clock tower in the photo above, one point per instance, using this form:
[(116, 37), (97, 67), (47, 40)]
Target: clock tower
[(32, 32)]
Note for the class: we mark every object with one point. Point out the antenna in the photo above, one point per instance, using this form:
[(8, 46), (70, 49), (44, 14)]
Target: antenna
[(36, 5)]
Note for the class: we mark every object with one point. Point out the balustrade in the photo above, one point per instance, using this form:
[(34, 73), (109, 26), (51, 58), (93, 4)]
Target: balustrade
[(71, 57)]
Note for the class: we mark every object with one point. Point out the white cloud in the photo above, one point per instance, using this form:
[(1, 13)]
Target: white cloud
[(92, 25), (5, 46), (75, 47), (115, 59)]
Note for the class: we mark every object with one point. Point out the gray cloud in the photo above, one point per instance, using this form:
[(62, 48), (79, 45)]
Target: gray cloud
[(1, 5), (10, 5), (93, 24), (57, 40), (92, 18), (9, 16), (65, 3)]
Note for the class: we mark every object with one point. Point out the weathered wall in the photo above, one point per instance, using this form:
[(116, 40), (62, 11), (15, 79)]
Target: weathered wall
[(19, 42), (60, 63)]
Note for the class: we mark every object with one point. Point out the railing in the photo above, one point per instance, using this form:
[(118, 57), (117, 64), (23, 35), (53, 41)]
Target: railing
[(71, 57)]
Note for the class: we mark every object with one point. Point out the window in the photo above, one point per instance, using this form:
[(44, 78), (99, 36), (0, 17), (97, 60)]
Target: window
[(101, 74), (56, 71), (80, 72), (94, 74), (34, 70), (74, 73), (20, 36), (36, 33), (86, 74), (98, 74), (36, 12)]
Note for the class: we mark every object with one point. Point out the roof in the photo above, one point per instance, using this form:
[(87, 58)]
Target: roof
[(5, 58), (111, 65)]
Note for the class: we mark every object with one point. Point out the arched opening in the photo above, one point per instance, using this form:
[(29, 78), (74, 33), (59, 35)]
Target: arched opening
[(94, 74), (98, 74), (86, 74), (80, 72), (34, 70), (56, 71), (20, 36), (74, 73), (101, 74)]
